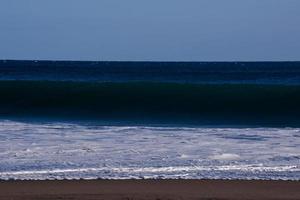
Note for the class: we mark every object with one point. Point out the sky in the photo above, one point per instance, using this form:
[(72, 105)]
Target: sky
[(150, 30)]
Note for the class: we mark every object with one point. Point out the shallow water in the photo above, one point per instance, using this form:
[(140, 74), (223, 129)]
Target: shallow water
[(52, 150)]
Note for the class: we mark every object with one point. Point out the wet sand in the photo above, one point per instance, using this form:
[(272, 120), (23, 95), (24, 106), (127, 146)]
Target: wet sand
[(149, 189)]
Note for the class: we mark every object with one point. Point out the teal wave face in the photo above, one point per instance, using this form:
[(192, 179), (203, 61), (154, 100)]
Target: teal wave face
[(160, 102)]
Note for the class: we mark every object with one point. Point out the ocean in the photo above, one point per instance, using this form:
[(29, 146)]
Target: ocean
[(120, 120)]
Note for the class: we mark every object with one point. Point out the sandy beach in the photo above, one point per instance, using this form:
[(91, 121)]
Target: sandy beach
[(149, 189)]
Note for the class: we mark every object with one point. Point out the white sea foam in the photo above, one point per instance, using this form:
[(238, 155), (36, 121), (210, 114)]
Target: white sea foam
[(71, 151), (225, 156), (149, 172)]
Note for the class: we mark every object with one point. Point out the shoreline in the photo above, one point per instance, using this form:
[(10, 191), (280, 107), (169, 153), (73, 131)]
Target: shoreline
[(149, 189)]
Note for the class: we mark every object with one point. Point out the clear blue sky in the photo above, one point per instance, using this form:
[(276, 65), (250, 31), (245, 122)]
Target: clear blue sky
[(160, 30)]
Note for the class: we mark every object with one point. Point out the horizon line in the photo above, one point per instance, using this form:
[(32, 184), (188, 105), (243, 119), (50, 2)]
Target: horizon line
[(143, 61)]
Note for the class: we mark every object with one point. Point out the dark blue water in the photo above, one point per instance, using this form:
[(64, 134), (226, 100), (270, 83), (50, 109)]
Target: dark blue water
[(183, 72), (240, 93)]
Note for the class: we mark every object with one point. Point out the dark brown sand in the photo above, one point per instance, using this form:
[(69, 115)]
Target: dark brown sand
[(149, 189)]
